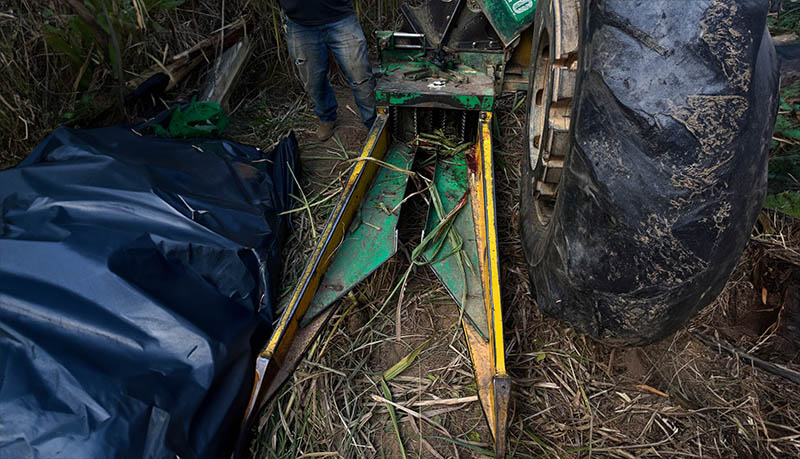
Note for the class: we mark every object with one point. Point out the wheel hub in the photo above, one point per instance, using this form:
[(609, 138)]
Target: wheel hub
[(550, 101)]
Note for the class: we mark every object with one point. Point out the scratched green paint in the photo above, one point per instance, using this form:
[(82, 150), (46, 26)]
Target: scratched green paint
[(468, 102), (451, 183), (471, 102), (371, 239), (396, 98), (481, 61)]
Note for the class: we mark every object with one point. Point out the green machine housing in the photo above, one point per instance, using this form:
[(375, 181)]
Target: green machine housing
[(442, 72), (487, 51)]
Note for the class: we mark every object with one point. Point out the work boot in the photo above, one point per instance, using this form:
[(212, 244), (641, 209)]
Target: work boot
[(325, 130)]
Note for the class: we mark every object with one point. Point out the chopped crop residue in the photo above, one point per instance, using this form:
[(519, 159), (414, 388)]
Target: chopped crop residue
[(726, 42)]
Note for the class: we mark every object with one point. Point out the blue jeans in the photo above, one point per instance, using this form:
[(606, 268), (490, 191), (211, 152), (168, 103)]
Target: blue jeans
[(309, 47)]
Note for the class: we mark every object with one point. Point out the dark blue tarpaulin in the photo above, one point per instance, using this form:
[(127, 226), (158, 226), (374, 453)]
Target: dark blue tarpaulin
[(136, 286)]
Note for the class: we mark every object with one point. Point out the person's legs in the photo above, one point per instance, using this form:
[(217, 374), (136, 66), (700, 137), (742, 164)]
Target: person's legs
[(349, 46), (310, 55)]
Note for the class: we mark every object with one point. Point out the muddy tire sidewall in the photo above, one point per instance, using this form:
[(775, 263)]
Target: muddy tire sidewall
[(665, 172)]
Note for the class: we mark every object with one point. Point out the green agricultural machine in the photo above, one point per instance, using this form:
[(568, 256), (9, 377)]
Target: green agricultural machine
[(643, 172)]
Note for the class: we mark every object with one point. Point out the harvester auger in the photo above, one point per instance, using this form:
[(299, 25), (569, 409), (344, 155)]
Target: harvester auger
[(643, 172)]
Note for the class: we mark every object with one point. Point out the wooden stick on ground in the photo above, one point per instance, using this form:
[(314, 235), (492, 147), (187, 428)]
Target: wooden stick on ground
[(227, 69)]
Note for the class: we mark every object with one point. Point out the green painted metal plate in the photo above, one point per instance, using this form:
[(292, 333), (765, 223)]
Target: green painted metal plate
[(372, 236), (476, 92), (509, 17), (451, 181)]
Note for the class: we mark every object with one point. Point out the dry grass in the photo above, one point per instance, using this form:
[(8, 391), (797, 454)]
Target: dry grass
[(42, 90), (572, 397)]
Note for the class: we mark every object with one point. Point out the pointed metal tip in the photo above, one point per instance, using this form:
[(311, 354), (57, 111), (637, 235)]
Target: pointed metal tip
[(502, 399)]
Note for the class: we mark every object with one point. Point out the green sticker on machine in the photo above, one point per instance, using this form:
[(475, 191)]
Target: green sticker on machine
[(519, 8), (508, 17)]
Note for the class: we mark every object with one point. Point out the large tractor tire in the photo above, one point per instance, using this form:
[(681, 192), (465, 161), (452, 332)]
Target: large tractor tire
[(648, 133)]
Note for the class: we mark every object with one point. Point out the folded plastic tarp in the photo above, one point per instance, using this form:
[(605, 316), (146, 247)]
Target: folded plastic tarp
[(136, 287)]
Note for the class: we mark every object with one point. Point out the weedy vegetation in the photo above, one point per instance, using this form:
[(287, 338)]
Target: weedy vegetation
[(390, 375), (784, 163)]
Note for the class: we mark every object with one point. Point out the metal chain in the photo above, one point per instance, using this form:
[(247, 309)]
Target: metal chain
[(393, 117)]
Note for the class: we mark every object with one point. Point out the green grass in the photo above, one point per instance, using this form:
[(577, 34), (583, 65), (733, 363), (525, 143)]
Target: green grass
[(789, 21), (784, 163)]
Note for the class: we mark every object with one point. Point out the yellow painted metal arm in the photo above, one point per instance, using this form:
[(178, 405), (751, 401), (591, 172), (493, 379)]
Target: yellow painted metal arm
[(494, 385), (272, 357)]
